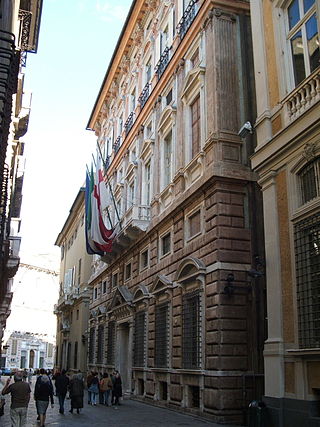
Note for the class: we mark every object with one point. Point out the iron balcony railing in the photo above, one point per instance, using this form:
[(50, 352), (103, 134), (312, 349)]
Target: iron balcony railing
[(163, 62), (187, 18), (144, 95), (129, 123), (117, 144)]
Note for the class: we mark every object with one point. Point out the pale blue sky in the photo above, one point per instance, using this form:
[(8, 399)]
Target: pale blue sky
[(77, 39)]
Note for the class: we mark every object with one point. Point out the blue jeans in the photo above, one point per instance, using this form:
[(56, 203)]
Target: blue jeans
[(61, 398), (106, 395)]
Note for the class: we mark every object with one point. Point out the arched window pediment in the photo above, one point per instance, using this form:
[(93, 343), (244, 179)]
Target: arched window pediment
[(141, 294), (190, 269), (167, 117)]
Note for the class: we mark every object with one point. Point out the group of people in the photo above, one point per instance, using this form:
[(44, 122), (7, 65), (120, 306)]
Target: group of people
[(98, 388), (104, 387)]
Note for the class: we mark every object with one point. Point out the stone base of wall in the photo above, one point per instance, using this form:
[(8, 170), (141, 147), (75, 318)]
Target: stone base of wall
[(291, 413)]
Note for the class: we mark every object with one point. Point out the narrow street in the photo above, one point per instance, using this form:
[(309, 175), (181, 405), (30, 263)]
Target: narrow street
[(129, 413)]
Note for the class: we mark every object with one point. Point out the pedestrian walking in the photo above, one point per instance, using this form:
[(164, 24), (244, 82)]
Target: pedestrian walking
[(94, 389), (62, 384), (30, 373), (76, 387), (20, 396), (105, 388), (101, 394), (43, 392), (89, 381), (117, 388)]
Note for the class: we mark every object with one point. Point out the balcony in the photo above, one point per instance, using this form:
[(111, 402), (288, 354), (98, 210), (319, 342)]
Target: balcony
[(163, 62), (144, 95), (187, 19), (129, 123), (134, 223), (117, 144), (302, 98)]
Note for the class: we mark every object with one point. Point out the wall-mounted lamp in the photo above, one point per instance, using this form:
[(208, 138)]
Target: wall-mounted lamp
[(245, 130)]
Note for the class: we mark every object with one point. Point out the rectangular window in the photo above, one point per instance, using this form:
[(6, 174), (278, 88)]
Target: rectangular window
[(169, 97), (167, 170), (144, 259), (77, 315), (307, 255), (131, 192), (128, 271), (115, 280), (194, 223), (148, 70), (79, 272), (161, 336), (14, 347), (147, 177), (191, 330), (303, 37), (91, 345), (111, 343), (75, 356), (100, 344), (166, 244), (195, 59), (310, 181), (139, 339), (195, 126), (104, 286), (95, 293), (50, 350)]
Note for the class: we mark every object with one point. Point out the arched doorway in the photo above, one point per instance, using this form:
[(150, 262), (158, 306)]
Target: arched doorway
[(31, 359)]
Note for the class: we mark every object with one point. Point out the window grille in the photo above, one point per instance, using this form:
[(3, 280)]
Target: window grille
[(91, 345), (307, 254), (310, 181), (161, 336), (139, 339), (111, 342), (191, 330), (100, 344)]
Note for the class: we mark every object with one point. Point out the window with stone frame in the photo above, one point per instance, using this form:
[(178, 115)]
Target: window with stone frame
[(128, 271), (167, 159), (307, 257), (75, 355), (111, 343), (165, 244), (309, 180), (191, 330), (91, 345), (139, 339), (194, 224), (100, 344), (144, 259), (161, 335), (195, 127), (303, 38), (147, 183)]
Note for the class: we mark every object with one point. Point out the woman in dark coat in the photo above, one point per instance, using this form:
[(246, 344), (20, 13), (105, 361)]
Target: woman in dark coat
[(117, 388), (76, 387)]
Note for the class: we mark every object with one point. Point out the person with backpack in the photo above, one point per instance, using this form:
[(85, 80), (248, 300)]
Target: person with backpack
[(43, 392)]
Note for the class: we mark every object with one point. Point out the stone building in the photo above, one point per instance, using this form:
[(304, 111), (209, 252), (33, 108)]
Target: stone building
[(29, 350), (19, 32), (287, 159), (178, 304), (72, 308)]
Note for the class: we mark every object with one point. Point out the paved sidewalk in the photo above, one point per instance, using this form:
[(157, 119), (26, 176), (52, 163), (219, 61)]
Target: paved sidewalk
[(130, 413)]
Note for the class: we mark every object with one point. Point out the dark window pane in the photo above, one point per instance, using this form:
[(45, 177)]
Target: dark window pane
[(111, 342), (297, 57), (293, 13), (191, 330), (139, 339), (313, 42), (309, 181), (307, 253), (161, 336), (166, 244), (307, 4), (194, 224)]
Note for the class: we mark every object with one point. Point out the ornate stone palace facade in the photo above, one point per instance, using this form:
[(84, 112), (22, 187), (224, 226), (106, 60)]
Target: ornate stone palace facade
[(287, 159), (178, 305), (19, 32)]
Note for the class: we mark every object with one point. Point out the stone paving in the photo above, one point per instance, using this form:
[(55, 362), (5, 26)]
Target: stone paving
[(130, 413)]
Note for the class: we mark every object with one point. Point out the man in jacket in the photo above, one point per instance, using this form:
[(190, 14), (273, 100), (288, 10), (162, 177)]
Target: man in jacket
[(62, 383), (20, 396)]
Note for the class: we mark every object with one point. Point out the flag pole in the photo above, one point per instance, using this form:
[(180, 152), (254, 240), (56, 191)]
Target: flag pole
[(108, 181)]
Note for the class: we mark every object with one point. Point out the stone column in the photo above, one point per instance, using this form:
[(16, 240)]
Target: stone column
[(273, 349)]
